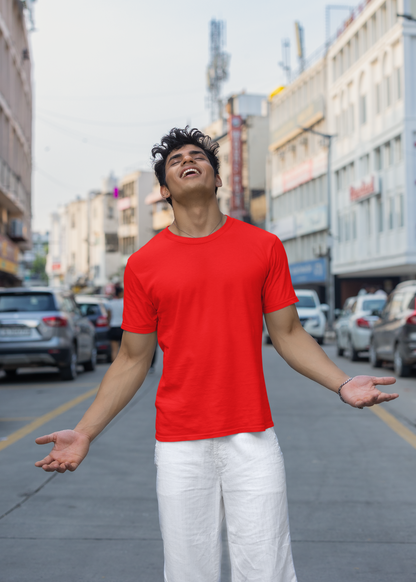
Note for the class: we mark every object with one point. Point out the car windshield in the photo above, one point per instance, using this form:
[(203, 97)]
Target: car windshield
[(15, 302), (373, 304), (306, 301)]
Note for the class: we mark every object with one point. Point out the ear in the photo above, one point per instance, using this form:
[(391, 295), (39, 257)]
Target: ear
[(218, 181), (164, 192)]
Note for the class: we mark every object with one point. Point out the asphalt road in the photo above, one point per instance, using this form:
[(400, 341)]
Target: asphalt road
[(351, 483)]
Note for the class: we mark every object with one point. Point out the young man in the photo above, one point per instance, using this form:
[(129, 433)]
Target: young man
[(203, 285)]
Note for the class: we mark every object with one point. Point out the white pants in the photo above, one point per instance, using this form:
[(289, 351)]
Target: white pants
[(241, 476)]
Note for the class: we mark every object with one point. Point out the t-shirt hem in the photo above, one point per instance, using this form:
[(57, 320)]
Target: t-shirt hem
[(141, 329), (216, 434), (276, 306)]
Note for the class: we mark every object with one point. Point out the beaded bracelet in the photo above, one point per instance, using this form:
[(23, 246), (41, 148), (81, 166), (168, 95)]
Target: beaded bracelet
[(339, 389)]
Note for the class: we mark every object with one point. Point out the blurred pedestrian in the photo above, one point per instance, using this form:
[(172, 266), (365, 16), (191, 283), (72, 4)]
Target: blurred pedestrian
[(203, 285), (116, 319)]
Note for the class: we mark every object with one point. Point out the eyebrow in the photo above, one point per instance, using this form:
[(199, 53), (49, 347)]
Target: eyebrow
[(191, 152)]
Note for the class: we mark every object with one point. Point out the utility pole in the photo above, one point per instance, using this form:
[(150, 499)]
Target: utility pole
[(329, 275)]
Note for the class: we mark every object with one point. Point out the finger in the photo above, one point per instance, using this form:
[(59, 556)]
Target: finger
[(48, 459), (71, 466), (385, 380), (383, 397), (44, 440)]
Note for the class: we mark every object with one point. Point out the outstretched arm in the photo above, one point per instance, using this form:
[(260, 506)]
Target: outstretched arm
[(305, 356), (119, 385)]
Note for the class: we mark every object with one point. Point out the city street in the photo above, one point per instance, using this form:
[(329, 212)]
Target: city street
[(351, 482)]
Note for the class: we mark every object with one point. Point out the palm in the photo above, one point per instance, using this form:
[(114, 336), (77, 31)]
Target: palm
[(70, 448), (362, 391)]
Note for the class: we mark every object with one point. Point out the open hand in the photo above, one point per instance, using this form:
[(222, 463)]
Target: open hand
[(70, 449), (361, 391)]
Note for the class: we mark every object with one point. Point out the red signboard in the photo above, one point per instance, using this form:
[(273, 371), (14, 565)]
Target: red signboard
[(237, 198), (364, 189)]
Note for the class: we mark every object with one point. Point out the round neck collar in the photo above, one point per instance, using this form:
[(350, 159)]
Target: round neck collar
[(202, 239)]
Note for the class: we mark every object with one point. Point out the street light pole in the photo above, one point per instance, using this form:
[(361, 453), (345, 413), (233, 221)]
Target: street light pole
[(329, 275)]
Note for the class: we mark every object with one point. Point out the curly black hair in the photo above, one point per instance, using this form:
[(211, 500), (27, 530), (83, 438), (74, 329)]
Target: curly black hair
[(176, 139)]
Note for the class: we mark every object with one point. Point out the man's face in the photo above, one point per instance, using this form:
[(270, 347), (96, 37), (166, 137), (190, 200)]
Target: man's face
[(189, 174)]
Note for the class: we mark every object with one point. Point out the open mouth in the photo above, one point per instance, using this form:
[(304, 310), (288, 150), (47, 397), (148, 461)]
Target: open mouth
[(190, 172)]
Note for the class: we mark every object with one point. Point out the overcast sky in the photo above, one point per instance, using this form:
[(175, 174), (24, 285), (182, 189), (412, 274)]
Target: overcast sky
[(110, 78)]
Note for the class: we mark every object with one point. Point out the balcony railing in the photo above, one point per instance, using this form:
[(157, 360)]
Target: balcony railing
[(11, 186)]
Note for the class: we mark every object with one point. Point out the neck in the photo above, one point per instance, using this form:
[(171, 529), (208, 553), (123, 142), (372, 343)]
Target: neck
[(197, 221)]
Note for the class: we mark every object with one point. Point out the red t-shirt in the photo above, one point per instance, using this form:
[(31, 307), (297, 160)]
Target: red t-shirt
[(206, 298)]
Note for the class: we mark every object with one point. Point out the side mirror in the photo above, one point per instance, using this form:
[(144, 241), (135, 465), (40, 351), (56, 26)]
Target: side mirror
[(324, 307)]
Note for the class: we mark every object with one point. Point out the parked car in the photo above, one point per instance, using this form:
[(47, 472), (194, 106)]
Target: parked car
[(393, 337), (364, 313), (44, 327), (95, 309), (341, 325), (311, 313)]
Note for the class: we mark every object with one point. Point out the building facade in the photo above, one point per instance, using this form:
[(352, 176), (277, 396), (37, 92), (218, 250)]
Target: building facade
[(372, 109), (297, 165), (15, 139), (135, 227), (243, 140), (105, 259)]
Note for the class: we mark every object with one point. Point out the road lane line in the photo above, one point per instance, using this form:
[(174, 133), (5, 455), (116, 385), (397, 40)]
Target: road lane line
[(19, 434), (394, 424)]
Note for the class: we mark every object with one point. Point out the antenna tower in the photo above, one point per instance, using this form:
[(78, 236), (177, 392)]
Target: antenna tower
[(217, 70), (285, 62)]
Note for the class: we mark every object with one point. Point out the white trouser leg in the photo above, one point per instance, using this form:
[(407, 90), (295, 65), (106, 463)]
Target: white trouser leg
[(254, 493), (190, 510)]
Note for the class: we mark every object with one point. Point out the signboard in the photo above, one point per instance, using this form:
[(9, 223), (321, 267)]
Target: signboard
[(299, 175), (367, 187), (237, 209), (308, 272), (9, 256), (312, 220), (124, 203), (290, 128)]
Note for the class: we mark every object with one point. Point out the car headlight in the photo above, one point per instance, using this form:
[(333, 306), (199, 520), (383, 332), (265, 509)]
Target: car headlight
[(314, 321)]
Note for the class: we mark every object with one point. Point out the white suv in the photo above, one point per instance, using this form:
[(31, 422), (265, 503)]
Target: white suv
[(311, 313)]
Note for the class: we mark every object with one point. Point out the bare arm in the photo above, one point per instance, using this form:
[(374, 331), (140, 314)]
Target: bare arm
[(119, 385), (305, 356)]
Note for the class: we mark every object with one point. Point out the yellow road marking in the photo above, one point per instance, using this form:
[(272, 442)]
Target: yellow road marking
[(16, 419), (395, 424), (19, 434)]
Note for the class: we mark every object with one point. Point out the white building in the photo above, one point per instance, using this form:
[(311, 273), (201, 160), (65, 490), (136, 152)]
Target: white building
[(372, 109), (104, 257), (297, 176), (135, 227)]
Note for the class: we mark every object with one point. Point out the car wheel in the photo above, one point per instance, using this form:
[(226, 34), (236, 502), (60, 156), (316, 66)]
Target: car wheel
[(70, 372), (353, 351), (268, 340), (11, 373), (320, 340), (92, 362), (400, 368), (340, 351), (372, 356)]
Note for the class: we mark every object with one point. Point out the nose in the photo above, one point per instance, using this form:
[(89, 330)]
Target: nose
[(187, 158)]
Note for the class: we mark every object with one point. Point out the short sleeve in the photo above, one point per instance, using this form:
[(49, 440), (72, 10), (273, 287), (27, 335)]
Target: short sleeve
[(139, 313), (278, 289)]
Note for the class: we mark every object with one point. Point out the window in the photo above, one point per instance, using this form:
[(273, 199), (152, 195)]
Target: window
[(72, 220), (393, 5), (378, 98), (388, 154), (340, 232), (398, 76), (379, 210), (110, 211), (387, 84), (378, 159), (398, 149), (364, 165), (374, 28), (354, 225), (364, 40), (347, 227), (351, 118), (363, 109), (383, 19), (391, 213), (400, 210), (356, 47), (367, 214), (338, 180)]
